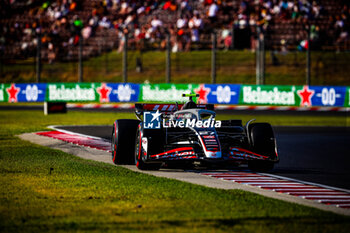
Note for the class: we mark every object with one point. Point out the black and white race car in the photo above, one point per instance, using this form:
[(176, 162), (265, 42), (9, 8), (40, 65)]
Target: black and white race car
[(187, 134)]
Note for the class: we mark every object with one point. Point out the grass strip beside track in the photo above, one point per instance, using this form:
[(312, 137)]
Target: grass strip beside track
[(327, 68), (42, 189)]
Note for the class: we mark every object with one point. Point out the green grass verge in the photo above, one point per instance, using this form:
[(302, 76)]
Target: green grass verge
[(327, 68), (81, 195)]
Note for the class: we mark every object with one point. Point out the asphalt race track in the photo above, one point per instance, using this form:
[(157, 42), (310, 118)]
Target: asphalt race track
[(313, 154)]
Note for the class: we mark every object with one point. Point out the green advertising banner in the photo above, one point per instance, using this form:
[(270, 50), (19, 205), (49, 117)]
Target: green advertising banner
[(347, 98), (270, 95), (237, 94), (3, 93), (72, 92), (166, 92)]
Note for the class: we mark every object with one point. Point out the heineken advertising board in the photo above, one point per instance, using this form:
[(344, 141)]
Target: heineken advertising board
[(330, 96), (269, 95), (128, 92), (165, 92), (305, 96), (327, 96), (347, 97), (69, 92), (92, 92), (72, 92), (31, 92), (223, 93)]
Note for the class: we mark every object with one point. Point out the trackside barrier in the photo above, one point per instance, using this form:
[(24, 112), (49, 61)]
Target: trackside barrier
[(232, 94)]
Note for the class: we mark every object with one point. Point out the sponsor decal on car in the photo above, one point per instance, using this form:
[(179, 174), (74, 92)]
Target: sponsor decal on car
[(153, 120), (193, 123)]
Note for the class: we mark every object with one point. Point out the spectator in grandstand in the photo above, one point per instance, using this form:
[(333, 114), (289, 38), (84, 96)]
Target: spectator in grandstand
[(195, 24), (295, 13), (140, 35), (51, 56), (105, 23), (156, 22), (242, 21), (124, 9), (185, 7), (225, 38), (183, 34), (181, 22), (170, 5), (212, 13), (342, 39)]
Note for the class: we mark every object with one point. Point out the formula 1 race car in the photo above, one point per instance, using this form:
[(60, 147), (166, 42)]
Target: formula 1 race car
[(173, 135)]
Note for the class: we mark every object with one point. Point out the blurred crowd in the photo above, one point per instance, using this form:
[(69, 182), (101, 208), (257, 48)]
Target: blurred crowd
[(188, 23)]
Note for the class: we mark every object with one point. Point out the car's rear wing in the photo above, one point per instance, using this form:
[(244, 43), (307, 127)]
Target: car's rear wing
[(157, 107), (165, 108)]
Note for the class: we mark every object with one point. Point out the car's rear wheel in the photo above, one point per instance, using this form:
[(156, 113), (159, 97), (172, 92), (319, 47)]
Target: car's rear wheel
[(140, 154), (123, 138), (262, 141)]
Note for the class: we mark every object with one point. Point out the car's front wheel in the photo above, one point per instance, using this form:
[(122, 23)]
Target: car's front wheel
[(140, 153), (123, 138), (262, 141)]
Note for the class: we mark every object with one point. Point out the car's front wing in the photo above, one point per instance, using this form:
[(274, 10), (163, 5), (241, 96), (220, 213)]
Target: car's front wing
[(188, 153)]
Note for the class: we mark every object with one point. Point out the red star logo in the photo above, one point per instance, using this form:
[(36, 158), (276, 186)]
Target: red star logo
[(203, 93), (104, 92), (13, 92), (305, 95)]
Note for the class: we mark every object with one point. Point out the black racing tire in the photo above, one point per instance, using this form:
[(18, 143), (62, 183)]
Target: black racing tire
[(123, 139), (262, 142), (139, 153)]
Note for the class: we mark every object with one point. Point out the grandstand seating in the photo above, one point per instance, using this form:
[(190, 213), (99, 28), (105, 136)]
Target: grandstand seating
[(18, 15)]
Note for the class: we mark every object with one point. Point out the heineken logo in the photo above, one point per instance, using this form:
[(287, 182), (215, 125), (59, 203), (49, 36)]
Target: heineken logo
[(76, 93), (163, 95), (271, 96)]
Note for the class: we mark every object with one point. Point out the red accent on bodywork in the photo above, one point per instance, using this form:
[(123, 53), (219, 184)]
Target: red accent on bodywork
[(160, 107), (173, 151), (236, 149), (214, 147)]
